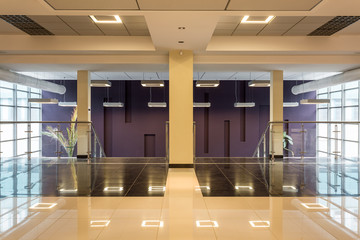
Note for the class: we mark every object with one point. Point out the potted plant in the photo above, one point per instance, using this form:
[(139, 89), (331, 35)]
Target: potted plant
[(287, 140)]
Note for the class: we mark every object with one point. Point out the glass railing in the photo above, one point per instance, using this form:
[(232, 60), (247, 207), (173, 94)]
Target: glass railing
[(37, 139), (310, 139)]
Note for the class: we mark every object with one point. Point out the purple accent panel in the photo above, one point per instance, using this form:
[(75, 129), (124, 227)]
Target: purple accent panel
[(122, 139)]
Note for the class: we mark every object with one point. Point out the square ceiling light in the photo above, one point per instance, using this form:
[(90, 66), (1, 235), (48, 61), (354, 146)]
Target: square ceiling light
[(152, 83), (259, 83), (260, 224), (100, 83), (207, 83), (106, 19), (246, 20), (43, 100), (113, 104), (314, 207)]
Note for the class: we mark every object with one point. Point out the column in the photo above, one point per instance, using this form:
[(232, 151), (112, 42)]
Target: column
[(84, 113), (181, 108), (276, 113)]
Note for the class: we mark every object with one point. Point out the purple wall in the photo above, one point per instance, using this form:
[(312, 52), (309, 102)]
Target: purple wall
[(122, 130)]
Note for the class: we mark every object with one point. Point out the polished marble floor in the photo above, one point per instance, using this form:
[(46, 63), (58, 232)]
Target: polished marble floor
[(182, 213)]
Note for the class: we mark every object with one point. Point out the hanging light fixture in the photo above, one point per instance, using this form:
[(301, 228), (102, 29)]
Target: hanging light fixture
[(67, 104), (202, 104), (259, 83), (290, 104), (156, 104), (241, 104), (315, 101), (113, 104), (100, 83), (152, 83), (207, 83), (43, 100)]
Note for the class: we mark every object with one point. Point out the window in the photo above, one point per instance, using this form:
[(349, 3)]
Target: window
[(14, 106)]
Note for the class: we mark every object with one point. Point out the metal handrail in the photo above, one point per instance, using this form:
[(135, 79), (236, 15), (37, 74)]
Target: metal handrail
[(285, 122), (57, 122)]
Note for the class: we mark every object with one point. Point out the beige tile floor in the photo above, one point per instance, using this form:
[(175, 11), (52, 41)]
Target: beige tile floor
[(181, 214)]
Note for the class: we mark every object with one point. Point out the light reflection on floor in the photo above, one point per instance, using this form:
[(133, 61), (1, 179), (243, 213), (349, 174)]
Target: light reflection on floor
[(183, 213)]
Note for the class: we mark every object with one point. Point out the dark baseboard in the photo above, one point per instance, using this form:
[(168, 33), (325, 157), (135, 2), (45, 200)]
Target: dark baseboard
[(82, 157), (181, 165), (278, 156)]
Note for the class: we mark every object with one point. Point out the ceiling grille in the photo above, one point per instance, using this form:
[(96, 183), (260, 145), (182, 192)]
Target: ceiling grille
[(334, 25), (26, 24)]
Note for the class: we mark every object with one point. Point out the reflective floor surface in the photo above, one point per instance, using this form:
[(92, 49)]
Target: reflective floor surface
[(182, 213)]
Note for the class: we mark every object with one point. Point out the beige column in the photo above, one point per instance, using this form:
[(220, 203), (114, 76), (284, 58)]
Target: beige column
[(84, 112), (181, 107), (276, 112)]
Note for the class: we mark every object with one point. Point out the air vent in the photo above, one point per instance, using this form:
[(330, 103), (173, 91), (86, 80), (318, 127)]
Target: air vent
[(334, 25), (25, 24)]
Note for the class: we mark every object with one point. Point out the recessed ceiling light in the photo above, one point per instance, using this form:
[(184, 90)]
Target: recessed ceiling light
[(99, 223), (115, 19), (206, 223), (152, 223), (267, 20), (181, 28), (260, 224), (180, 41)]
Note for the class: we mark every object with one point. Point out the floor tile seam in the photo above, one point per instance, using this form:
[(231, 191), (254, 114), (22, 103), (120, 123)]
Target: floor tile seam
[(224, 175), (260, 180), (38, 235)]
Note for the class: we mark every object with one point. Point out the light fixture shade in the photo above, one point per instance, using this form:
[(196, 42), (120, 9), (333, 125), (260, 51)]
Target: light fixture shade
[(152, 83), (97, 19), (207, 83), (43, 100), (259, 83), (290, 104), (314, 101), (244, 104), (202, 104), (100, 83), (67, 104), (113, 104), (157, 104)]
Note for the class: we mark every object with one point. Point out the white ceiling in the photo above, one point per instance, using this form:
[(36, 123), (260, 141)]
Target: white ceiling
[(272, 5), (93, 4), (295, 76)]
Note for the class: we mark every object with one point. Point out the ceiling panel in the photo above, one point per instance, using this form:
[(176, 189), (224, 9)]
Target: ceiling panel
[(226, 25), (54, 24), (182, 5), (307, 25), (279, 26), (93, 4), (248, 29), (8, 29), (83, 25), (272, 5), (113, 29)]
